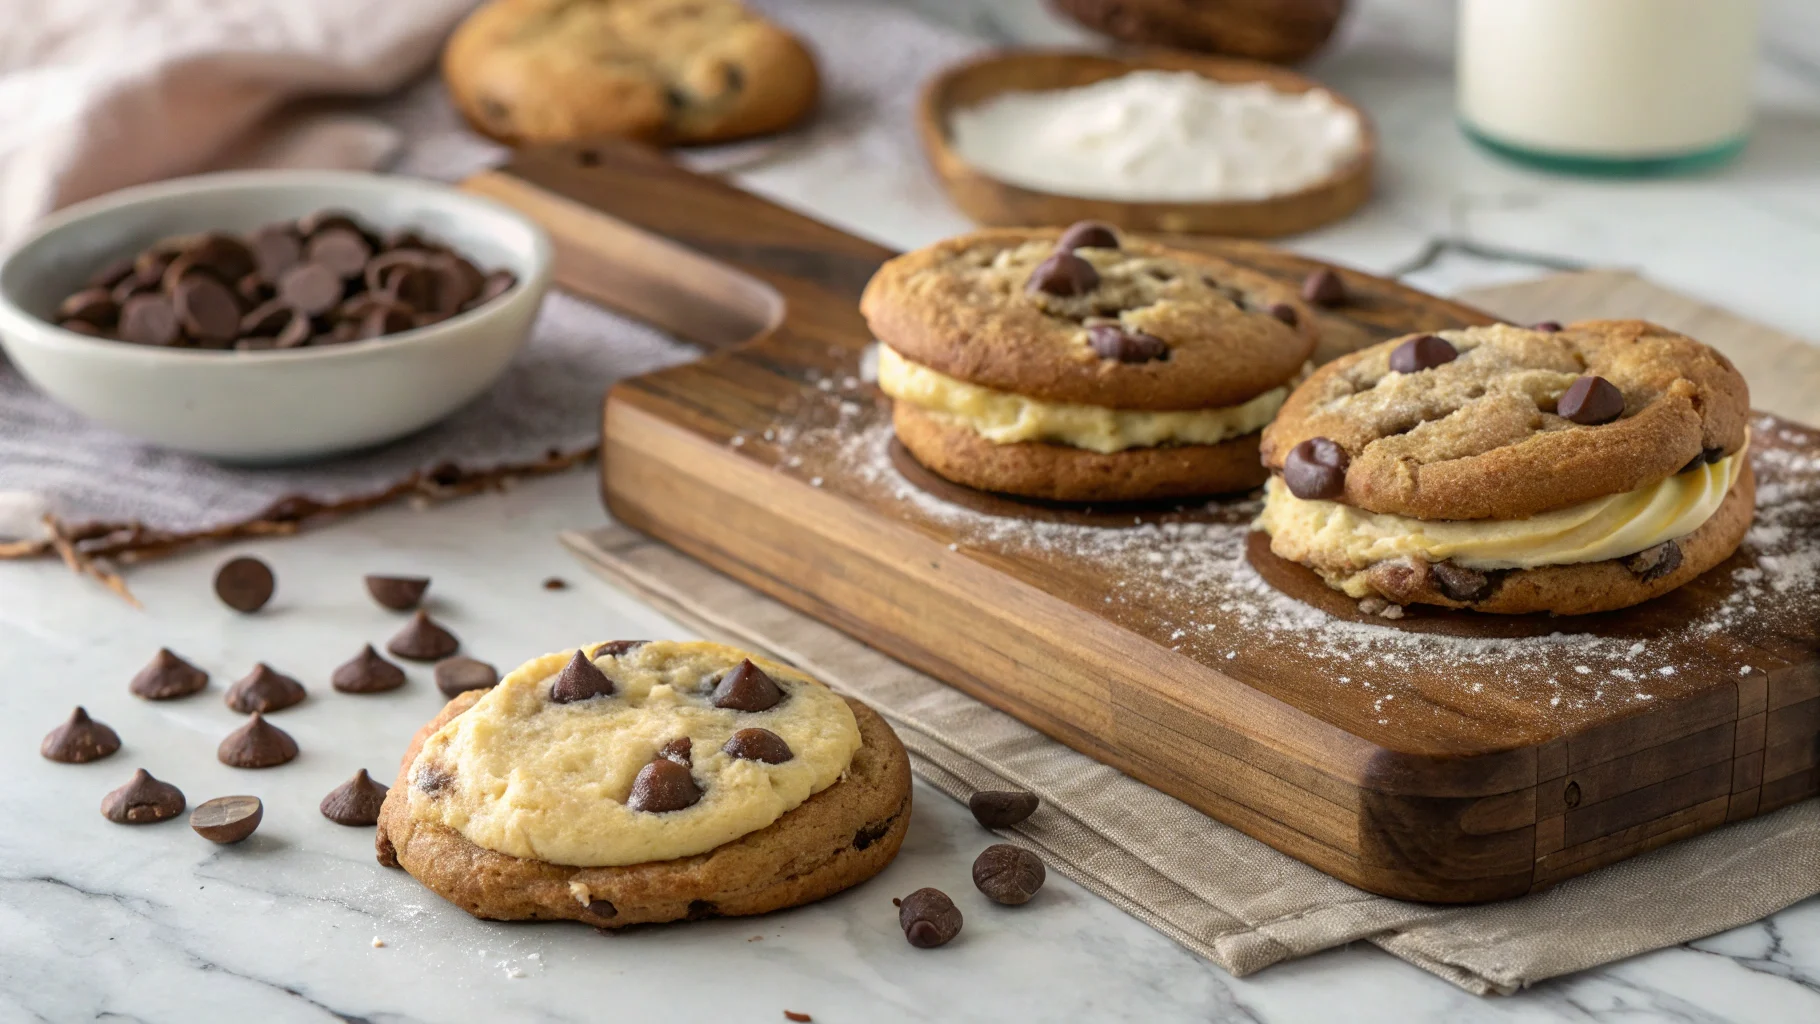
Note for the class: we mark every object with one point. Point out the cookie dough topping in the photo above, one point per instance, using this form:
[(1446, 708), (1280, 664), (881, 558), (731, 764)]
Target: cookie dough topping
[(667, 764)]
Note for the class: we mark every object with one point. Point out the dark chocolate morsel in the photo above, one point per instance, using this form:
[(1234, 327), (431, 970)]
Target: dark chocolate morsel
[(399, 593), (244, 584), (167, 676), (663, 786), (1008, 874), (264, 690), (458, 675), (1422, 352), (1324, 288), (1591, 401), (79, 740), (580, 679), (422, 639), (257, 744), (746, 687), (929, 918), (354, 802), (227, 819), (1002, 808), (1653, 563), (758, 745), (1110, 341), (1459, 583), (367, 672), (1063, 274), (142, 801), (1315, 470), (1087, 234), (1285, 312)]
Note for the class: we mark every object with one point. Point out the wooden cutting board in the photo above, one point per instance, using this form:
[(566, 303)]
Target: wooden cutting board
[(1448, 757)]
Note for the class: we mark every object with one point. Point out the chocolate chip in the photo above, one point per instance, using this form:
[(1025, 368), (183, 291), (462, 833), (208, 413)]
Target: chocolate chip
[(1087, 234), (91, 305), (1110, 341), (746, 687), (1324, 288), (207, 309), (663, 786), (267, 319), (148, 319), (380, 271), (1653, 563), (1002, 808), (799, 1018), (254, 289), (257, 744), (681, 750), (929, 918), (264, 690), (227, 819), (1063, 274), (82, 327), (414, 286), (580, 679), (1591, 401), (618, 648), (399, 593), (385, 319), (701, 910), (758, 745), (555, 583), (1459, 583), (1547, 326), (1707, 457), (244, 584), (354, 802), (276, 249), (79, 740), (433, 778), (1285, 312), (457, 280), (310, 287), (456, 676), (422, 639), (167, 676), (112, 274), (1422, 352), (1008, 874), (602, 909), (367, 672), (142, 801), (1316, 470), (311, 224), (342, 250), (225, 256)]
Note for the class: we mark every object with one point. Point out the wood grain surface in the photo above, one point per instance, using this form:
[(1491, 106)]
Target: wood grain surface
[(1445, 758)]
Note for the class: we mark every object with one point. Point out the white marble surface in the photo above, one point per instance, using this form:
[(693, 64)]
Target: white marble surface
[(98, 921)]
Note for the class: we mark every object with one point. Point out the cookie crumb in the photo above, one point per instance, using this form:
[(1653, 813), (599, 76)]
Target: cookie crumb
[(799, 1017), (555, 583), (378, 943)]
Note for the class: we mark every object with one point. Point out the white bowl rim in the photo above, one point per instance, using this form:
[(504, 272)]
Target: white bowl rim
[(14, 320)]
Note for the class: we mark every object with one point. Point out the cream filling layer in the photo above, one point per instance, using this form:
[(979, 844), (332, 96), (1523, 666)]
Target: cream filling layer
[(1340, 538), (527, 777), (1005, 418)]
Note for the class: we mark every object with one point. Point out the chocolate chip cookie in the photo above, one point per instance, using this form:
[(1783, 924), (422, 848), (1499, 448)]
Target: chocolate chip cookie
[(626, 749), (666, 71), (1083, 365), (1511, 470)]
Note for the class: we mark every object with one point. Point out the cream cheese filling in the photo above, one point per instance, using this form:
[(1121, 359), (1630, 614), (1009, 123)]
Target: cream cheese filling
[(1005, 418), (527, 777), (1339, 538)]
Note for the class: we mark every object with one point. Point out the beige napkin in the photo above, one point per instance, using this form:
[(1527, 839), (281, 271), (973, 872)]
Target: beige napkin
[(99, 94), (1231, 898)]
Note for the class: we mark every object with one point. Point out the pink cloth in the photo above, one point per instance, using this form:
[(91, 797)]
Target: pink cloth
[(100, 94)]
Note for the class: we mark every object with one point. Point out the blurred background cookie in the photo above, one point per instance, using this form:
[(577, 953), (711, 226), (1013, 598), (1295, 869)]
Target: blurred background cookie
[(1277, 30), (670, 71)]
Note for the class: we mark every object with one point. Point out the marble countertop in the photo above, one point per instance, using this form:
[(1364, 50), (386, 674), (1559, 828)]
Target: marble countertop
[(299, 923)]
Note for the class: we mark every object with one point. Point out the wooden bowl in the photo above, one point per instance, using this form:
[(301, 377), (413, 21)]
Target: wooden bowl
[(995, 203)]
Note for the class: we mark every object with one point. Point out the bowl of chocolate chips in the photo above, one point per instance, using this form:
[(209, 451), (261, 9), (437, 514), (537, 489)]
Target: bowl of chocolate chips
[(271, 316)]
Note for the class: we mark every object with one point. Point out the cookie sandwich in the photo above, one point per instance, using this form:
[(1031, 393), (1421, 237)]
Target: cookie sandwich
[(631, 783), (1083, 365), (1512, 470)]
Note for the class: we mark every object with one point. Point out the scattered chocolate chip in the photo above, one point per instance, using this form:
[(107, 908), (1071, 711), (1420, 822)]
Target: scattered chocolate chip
[(1285, 312), (264, 690), (929, 918), (91, 305), (1063, 274), (1324, 288), (458, 675), (167, 676), (227, 819), (1316, 470), (680, 750), (1459, 583), (799, 1018), (1002, 808), (142, 801), (580, 679), (618, 648), (1110, 341), (244, 584), (1653, 563), (148, 319), (399, 593), (1422, 352), (1591, 401), (257, 744), (79, 740), (367, 672), (208, 310), (355, 802), (746, 687), (758, 745), (1008, 874), (662, 786), (1087, 234), (422, 639), (555, 583), (1547, 326), (602, 909)]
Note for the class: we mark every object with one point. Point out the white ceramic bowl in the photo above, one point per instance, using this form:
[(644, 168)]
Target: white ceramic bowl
[(269, 406)]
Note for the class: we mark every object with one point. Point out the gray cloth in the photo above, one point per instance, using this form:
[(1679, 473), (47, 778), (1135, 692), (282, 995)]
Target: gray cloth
[(1210, 887)]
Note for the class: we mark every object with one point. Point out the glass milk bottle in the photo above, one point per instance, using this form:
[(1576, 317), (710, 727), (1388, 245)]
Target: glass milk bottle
[(1608, 86)]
